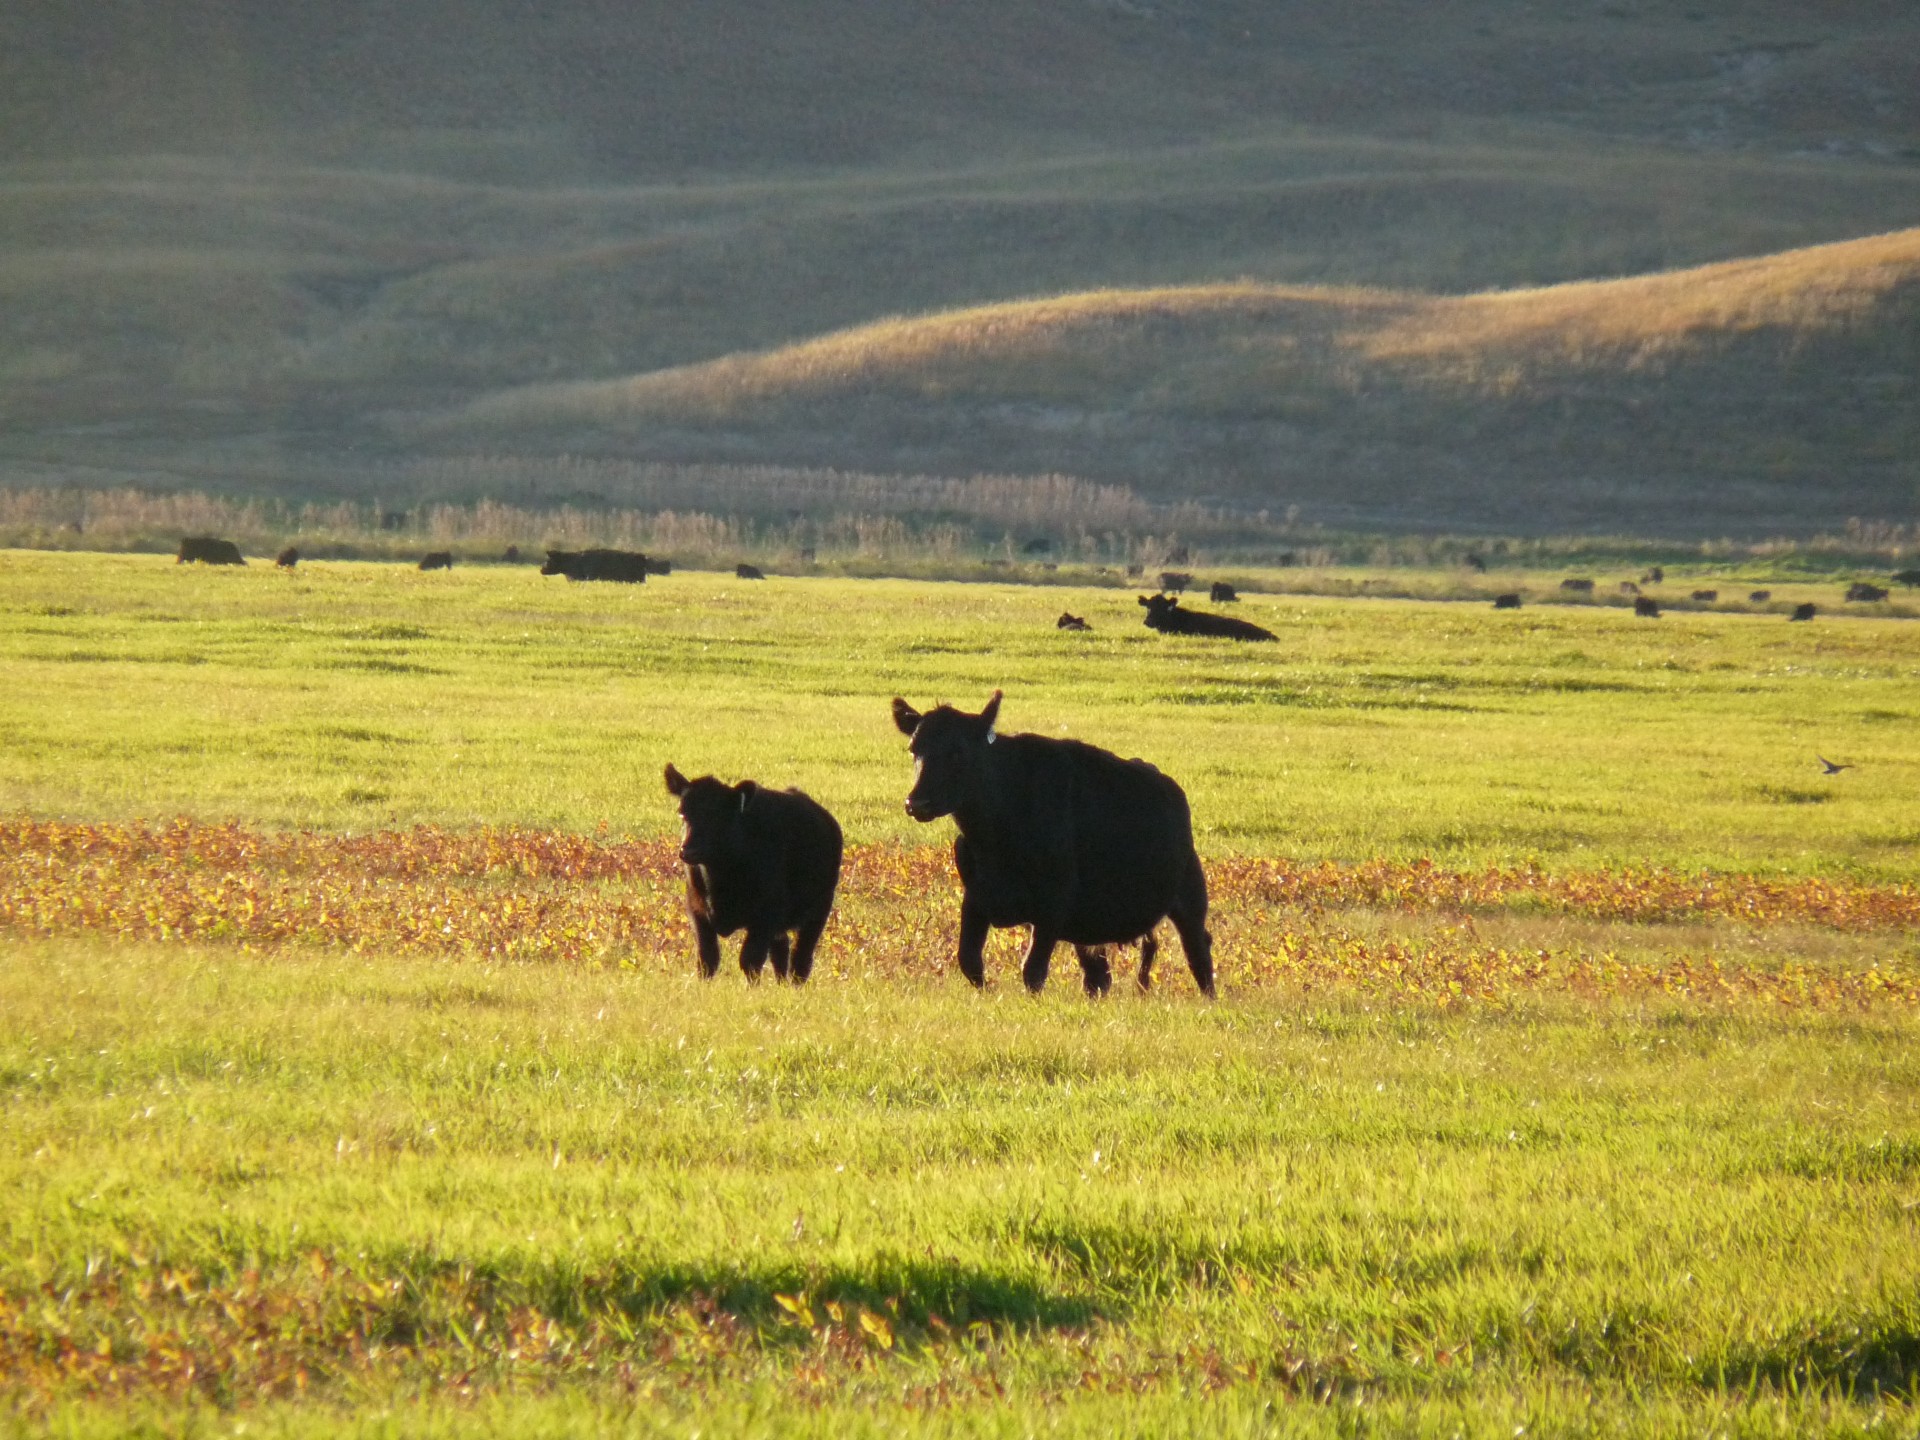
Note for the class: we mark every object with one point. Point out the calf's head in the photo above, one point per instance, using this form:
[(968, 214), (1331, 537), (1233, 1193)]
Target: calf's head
[(948, 746), (712, 816)]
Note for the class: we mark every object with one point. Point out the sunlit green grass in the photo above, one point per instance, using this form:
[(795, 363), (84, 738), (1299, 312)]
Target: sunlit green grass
[(1627, 1207), (359, 695)]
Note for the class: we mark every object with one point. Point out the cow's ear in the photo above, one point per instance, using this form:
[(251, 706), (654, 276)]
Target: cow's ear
[(905, 717), (746, 790), (990, 714), (676, 782), (1144, 600)]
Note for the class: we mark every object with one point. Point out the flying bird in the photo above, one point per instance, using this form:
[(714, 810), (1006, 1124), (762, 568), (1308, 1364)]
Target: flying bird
[(1827, 767)]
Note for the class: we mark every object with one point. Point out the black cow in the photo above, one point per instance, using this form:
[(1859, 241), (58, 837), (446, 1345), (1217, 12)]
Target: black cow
[(1647, 606), (1706, 596), (657, 566), (1508, 601), (512, 556), (1175, 580), (744, 571), (437, 560), (1654, 576), (624, 566), (205, 550), (1804, 611), (1578, 586), (1760, 597), (766, 861), (1474, 562), (1908, 578), (1221, 592), (1165, 615), (1070, 621), (1072, 840), (287, 558), (1861, 590)]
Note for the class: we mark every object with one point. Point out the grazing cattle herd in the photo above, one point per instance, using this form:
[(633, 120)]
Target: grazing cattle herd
[(1057, 836)]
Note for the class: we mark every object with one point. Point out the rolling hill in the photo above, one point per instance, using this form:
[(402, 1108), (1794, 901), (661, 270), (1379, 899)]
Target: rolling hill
[(1335, 256)]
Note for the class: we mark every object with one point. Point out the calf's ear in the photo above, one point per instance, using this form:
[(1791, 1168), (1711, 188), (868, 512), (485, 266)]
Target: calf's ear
[(676, 782), (905, 717), (990, 714)]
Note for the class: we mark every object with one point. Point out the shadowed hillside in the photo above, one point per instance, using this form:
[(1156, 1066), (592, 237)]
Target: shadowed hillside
[(242, 246)]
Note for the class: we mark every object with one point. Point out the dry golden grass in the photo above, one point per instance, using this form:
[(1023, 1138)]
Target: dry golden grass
[(1245, 343)]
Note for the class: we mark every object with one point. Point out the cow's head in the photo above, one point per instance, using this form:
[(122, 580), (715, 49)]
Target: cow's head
[(948, 748), (1158, 608), (557, 562), (712, 816)]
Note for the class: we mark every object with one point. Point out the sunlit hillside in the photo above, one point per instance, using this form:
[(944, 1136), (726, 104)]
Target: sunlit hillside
[(1712, 380)]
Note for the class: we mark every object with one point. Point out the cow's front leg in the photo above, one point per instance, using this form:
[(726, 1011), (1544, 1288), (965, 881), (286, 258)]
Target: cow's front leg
[(707, 941), (1039, 956), (973, 945), (777, 953), (753, 954)]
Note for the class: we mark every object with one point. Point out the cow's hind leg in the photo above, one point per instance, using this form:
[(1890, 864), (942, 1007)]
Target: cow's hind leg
[(777, 952), (1149, 947), (1039, 957), (1189, 916), (1096, 969), (753, 953)]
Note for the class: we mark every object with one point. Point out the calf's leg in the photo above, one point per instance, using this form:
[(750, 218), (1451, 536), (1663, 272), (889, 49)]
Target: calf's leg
[(804, 940), (973, 945), (777, 952), (707, 941), (1096, 969)]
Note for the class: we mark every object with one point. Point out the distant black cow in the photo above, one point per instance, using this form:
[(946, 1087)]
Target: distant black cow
[(512, 557), (748, 572), (1578, 586), (205, 550), (1474, 562), (1861, 590), (1760, 597), (1804, 611), (1175, 580), (625, 566), (1647, 606), (437, 560), (1653, 576), (287, 558), (1706, 596), (765, 861), (1070, 621), (1165, 615), (658, 566), (1072, 840), (1221, 592), (1908, 578), (1508, 601)]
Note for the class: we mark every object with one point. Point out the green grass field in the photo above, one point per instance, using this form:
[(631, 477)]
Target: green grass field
[(305, 1188)]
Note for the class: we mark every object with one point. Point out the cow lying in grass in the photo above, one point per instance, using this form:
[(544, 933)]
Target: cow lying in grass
[(766, 861), (1165, 615), (1072, 840), (626, 566)]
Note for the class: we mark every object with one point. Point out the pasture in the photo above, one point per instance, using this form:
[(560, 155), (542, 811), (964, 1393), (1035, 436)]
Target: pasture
[(1563, 1075)]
